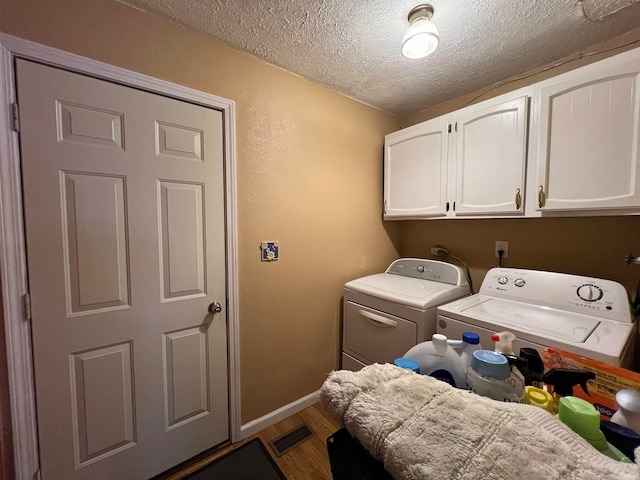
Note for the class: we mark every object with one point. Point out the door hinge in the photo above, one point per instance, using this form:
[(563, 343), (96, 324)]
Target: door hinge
[(16, 117), (449, 128), (447, 207), (454, 206), (26, 306), (456, 126)]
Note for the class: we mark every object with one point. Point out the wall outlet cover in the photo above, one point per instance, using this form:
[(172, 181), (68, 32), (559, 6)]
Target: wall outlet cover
[(270, 251)]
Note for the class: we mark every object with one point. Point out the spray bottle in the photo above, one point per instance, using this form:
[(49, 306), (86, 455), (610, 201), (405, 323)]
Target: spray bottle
[(534, 369), (563, 380), (504, 341)]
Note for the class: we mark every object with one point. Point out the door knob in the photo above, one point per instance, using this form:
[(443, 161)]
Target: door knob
[(215, 307)]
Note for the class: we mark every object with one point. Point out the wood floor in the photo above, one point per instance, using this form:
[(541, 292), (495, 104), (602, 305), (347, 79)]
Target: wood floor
[(308, 461)]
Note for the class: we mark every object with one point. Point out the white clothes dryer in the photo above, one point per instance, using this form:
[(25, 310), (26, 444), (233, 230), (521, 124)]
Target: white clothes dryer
[(386, 314), (590, 317)]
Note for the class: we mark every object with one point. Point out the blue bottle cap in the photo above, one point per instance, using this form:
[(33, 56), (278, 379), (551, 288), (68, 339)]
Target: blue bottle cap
[(407, 364), (470, 337), (490, 364)]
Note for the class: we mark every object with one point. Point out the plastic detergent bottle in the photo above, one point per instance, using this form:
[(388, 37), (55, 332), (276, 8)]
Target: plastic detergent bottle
[(490, 376), (538, 398), (623, 438), (439, 360), (407, 364), (582, 417), (470, 343)]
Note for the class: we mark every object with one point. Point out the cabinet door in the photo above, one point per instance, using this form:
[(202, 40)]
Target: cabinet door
[(491, 157), (587, 149), (415, 171)]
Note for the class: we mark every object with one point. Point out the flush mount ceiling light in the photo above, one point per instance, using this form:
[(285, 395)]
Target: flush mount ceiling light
[(422, 37)]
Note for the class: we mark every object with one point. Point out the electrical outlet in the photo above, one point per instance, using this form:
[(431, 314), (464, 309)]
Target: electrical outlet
[(504, 246)]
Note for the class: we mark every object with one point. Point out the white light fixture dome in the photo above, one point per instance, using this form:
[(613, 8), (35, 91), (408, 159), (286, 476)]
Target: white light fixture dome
[(422, 37)]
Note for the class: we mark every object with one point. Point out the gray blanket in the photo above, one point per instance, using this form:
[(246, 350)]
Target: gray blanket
[(424, 429)]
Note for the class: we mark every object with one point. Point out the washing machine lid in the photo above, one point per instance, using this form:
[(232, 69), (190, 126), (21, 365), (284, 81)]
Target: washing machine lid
[(587, 335), (541, 321), (413, 292)]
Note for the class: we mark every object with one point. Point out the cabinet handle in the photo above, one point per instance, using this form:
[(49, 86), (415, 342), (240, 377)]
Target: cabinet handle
[(541, 196), (518, 199), (379, 320)]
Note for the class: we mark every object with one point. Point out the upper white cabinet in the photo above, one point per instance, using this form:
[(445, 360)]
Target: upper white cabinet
[(491, 140), (415, 170), (586, 128), (580, 155), (467, 163)]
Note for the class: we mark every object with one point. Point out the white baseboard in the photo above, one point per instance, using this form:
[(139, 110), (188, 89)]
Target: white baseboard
[(254, 426)]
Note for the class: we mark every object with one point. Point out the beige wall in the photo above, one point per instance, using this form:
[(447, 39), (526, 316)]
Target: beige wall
[(591, 246), (309, 169)]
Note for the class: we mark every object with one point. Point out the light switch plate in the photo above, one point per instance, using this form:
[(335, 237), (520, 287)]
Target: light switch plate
[(270, 251)]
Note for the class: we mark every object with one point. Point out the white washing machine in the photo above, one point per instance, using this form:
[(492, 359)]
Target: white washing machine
[(388, 313), (590, 317)]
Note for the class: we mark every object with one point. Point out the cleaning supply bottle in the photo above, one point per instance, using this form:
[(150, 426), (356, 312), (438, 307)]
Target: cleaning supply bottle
[(628, 413), (582, 417), (504, 346), (534, 369), (470, 343), (407, 364), (490, 376), (439, 360), (538, 398), (563, 380), (503, 342), (517, 364), (623, 438)]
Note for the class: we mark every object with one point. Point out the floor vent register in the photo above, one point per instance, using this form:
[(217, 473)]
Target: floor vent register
[(291, 439)]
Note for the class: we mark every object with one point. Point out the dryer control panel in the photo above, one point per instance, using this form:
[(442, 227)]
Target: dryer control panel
[(591, 296), (426, 269)]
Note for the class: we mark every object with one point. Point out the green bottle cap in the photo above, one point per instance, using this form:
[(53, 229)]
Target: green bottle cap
[(582, 417)]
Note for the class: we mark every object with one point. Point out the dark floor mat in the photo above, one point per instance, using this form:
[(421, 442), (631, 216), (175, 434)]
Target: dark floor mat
[(249, 462)]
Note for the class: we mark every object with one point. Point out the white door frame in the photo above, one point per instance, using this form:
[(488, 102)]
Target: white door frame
[(13, 267)]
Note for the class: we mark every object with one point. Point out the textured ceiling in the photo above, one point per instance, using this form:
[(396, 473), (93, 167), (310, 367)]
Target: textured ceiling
[(353, 47)]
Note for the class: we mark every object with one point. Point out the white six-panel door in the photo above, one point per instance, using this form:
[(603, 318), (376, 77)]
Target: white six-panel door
[(124, 214)]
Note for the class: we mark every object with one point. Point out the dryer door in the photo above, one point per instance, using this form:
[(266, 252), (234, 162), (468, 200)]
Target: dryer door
[(373, 336)]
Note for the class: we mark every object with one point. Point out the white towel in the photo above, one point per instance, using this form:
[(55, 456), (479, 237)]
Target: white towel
[(424, 429)]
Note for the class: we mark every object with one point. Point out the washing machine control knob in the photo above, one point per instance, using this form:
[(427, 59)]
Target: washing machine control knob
[(502, 280), (519, 282), (589, 292), (421, 268)]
